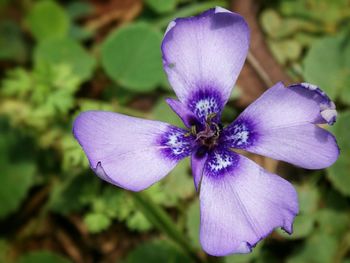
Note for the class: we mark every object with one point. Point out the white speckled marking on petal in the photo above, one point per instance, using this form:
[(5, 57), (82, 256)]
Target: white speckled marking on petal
[(176, 145)]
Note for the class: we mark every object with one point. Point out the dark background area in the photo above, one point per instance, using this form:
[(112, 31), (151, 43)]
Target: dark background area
[(58, 58)]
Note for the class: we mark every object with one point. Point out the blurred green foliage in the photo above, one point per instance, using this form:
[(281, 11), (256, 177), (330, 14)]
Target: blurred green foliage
[(59, 58)]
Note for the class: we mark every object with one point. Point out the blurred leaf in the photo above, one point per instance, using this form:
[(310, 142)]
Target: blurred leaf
[(131, 57), (319, 248), (163, 112), (42, 257), (73, 155), (83, 189), (228, 114), (4, 250), (79, 33), (308, 196), (13, 193), (66, 51), (314, 10), (115, 203), (89, 104), (12, 45), (97, 222), (305, 39), (270, 21), (48, 20), (161, 6), (178, 184), (17, 176), (193, 222), (333, 219), (18, 82), (157, 251), (327, 65), (79, 9), (304, 222), (137, 221), (326, 219), (286, 50), (267, 256), (302, 227), (280, 27), (245, 258), (338, 173)]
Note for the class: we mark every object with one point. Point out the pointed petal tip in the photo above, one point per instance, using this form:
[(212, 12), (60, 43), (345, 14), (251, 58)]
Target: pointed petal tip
[(246, 196), (118, 145), (213, 45), (285, 120), (328, 110), (219, 9)]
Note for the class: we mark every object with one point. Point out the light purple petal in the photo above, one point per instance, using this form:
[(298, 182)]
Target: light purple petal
[(203, 56), (281, 125), (241, 203), (129, 152)]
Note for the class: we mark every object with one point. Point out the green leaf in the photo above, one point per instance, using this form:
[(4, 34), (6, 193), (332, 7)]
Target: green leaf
[(17, 176), (66, 51), (336, 11), (327, 64), (115, 203), (80, 33), (161, 6), (48, 20), (131, 57), (304, 222), (4, 251), (42, 257), (157, 251), (303, 226), (193, 222), (73, 155), (97, 222), (280, 27), (137, 221), (286, 50), (163, 112), (79, 9), (178, 185), (12, 44), (318, 248), (244, 258), (309, 197), (338, 173), (83, 189), (326, 219)]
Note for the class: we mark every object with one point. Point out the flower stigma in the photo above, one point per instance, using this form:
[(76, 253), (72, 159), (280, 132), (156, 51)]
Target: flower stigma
[(208, 136)]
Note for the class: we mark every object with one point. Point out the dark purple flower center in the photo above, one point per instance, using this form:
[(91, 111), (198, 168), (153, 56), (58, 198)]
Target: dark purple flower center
[(210, 133)]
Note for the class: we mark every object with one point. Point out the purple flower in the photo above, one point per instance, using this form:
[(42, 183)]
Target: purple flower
[(240, 202)]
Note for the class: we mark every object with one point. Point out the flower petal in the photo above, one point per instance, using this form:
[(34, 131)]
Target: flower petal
[(129, 152), (281, 125), (203, 56), (241, 203)]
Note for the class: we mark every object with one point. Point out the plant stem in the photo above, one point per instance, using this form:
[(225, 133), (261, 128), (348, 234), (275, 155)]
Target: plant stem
[(160, 219), (259, 70)]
